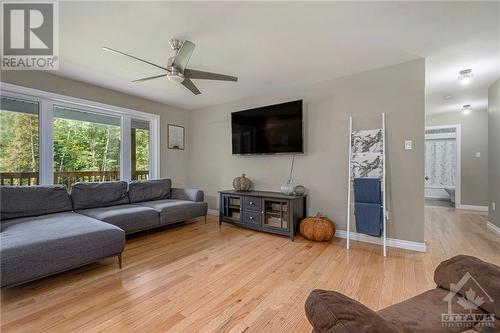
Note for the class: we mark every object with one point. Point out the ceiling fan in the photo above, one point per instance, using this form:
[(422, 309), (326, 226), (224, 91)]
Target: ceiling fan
[(176, 70)]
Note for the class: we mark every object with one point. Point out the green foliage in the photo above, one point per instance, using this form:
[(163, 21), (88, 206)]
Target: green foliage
[(142, 149), (84, 146), (18, 142), (78, 145)]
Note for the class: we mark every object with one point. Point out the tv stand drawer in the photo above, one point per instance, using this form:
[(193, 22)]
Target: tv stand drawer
[(253, 218), (252, 203)]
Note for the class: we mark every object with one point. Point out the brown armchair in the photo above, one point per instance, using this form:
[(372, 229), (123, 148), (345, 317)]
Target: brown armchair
[(467, 297)]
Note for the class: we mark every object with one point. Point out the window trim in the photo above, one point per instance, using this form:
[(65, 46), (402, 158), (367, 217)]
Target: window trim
[(46, 102)]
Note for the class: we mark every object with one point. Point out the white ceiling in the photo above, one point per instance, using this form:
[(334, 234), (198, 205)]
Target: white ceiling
[(276, 45)]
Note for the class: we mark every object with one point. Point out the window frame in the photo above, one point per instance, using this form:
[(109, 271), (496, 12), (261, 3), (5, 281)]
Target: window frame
[(48, 100)]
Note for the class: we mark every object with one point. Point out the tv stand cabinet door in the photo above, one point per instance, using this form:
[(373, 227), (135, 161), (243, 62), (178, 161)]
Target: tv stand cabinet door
[(230, 208), (276, 215)]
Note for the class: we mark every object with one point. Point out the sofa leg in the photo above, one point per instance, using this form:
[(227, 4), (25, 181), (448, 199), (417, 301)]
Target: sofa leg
[(120, 260)]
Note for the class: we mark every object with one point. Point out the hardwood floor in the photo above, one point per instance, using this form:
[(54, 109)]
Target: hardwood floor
[(202, 278)]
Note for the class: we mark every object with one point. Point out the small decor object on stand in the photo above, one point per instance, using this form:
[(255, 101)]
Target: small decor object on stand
[(317, 228), (299, 190), (242, 183), (288, 187)]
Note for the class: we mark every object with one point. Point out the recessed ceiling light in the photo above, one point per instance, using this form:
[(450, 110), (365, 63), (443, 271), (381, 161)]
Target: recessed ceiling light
[(447, 97), (466, 109), (465, 76)]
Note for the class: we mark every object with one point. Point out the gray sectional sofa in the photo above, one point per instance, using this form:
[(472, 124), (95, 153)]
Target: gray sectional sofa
[(45, 230)]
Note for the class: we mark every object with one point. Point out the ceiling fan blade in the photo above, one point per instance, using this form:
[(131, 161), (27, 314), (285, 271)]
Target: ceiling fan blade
[(194, 74), (182, 58), (190, 85), (131, 56), (149, 78)]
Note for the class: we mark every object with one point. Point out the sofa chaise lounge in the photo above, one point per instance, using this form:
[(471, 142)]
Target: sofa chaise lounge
[(46, 230)]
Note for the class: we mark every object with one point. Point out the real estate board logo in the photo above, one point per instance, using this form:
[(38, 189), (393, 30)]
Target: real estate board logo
[(466, 302), (30, 35)]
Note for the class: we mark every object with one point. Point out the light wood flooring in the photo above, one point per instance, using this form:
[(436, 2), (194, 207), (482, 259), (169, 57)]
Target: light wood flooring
[(202, 278)]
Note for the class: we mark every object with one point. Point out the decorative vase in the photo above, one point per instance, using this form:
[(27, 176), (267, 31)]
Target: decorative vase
[(242, 183), (287, 188), (318, 228), (299, 190)]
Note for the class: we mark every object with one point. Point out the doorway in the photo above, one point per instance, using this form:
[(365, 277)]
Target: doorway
[(443, 166)]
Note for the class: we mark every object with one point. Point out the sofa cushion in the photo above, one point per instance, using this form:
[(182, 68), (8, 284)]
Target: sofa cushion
[(130, 218), (332, 312), (146, 190), (21, 201), (172, 211), (191, 194), (91, 195), (423, 313), (34, 247), (466, 272)]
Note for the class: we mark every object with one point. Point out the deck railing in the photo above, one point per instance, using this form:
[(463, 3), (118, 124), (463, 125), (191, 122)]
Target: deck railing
[(66, 178)]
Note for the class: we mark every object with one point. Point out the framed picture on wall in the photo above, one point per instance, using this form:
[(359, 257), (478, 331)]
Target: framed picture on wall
[(175, 137)]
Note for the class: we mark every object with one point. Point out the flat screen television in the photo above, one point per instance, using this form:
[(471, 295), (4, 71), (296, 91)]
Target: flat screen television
[(273, 129)]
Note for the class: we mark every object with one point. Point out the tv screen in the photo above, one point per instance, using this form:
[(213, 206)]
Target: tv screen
[(274, 129)]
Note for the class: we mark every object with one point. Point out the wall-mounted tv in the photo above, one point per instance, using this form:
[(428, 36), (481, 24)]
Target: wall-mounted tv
[(273, 129)]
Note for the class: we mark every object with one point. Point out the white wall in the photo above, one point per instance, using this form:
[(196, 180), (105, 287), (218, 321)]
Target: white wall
[(494, 152), (474, 129), (397, 90)]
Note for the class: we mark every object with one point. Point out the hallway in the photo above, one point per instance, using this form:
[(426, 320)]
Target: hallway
[(450, 231)]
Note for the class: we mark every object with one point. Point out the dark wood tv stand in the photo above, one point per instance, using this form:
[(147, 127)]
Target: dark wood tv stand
[(271, 212)]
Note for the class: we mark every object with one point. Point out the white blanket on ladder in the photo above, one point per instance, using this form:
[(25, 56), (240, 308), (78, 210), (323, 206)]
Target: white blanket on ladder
[(367, 153)]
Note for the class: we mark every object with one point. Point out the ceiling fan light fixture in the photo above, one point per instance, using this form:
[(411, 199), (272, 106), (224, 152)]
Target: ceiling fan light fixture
[(465, 76), (175, 77), (466, 109)]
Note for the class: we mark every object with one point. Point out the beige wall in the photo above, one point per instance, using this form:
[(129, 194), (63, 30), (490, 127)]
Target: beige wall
[(173, 162), (494, 151), (474, 127), (396, 90)]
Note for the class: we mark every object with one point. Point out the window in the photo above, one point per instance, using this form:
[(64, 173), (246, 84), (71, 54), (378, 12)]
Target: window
[(140, 149), (86, 146), (47, 138), (19, 142)]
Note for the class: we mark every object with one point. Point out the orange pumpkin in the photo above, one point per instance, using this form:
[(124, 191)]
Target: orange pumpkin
[(318, 228)]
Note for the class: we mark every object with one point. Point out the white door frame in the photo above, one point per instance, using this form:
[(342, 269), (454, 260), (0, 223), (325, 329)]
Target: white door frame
[(458, 186)]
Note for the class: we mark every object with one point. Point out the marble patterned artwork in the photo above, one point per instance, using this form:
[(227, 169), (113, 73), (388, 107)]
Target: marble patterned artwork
[(367, 165), (367, 141), (367, 153)]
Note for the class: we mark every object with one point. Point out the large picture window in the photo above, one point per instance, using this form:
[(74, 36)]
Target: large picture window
[(140, 149), (47, 138), (19, 142), (86, 146)]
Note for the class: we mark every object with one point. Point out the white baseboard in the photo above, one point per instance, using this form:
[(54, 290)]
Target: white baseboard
[(493, 227), (214, 212), (473, 207), (437, 197), (391, 242)]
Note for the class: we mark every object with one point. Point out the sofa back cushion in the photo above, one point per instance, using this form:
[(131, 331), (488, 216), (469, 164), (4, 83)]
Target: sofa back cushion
[(92, 195), (147, 190), (464, 272), (23, 201)]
